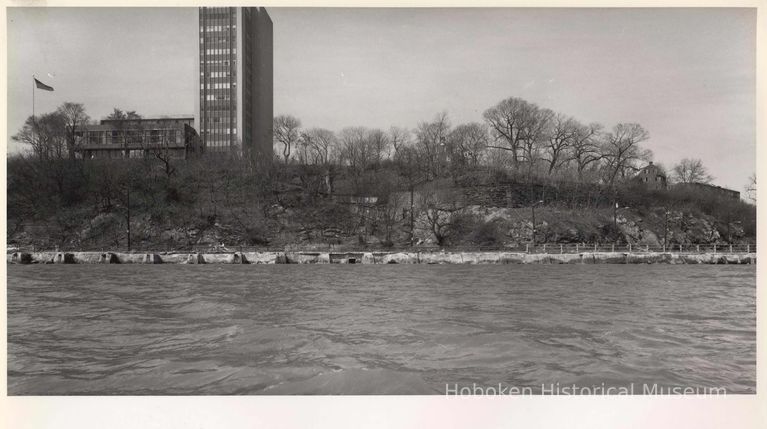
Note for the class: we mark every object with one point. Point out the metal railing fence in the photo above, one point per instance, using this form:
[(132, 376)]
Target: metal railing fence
[(551, 248)]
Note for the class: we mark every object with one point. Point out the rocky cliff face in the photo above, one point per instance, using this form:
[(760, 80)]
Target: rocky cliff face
[(594, 226), (504, 226)]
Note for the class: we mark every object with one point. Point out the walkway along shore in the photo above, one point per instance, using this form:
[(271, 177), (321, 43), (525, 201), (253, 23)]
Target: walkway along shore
[(381, 258)]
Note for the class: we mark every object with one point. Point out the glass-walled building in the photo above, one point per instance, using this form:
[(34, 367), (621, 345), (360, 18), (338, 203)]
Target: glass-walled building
[(235, 79), (168, 137)]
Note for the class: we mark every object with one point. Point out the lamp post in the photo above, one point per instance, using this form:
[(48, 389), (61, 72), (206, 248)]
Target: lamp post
[(739, 224), (533, 209), (729, 233), (412, 217), (665, 228), (128, 217)]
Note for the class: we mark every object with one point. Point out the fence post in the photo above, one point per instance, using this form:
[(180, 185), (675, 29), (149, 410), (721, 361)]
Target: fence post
[(714, 248), (576, 247), (629, 247), (647, 248), (561, 249), (748, 248), (544, 248), (595, 247), (612, 248), (527, 248), (697, 248), (730, 248)]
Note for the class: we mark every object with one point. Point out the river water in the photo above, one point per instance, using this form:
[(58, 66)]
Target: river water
[(376, 329)]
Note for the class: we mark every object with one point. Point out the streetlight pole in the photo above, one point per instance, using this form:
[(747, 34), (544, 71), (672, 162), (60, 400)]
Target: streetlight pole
[(412, 217), (533, 210), (665, 229), (128, 201)]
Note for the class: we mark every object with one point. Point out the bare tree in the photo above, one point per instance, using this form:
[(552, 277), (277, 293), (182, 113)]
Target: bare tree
[(560, 135), (105, 187), (322, 144), (585, 146), (302, 149), (390, 202), (431, 140), (518, 127), (691, 171), (45, 134), (751, 188), (354, 148), (161, 144), (407, 160), (622, 151), (440, 207), (399, 138), (471, 141), (75, 120), (379, 146), (324, 152), (508, 122), (536, 124), (286, 132)]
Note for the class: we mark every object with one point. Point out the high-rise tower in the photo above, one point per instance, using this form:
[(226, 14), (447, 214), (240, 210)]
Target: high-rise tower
[(234, 109)]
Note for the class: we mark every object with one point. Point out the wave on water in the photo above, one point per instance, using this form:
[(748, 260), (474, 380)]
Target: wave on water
[(378, 329)]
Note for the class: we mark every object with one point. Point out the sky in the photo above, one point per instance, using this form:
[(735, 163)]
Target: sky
[(686, 75)]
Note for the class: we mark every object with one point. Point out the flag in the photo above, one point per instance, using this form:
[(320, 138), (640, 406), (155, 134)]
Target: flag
[(41, 85)]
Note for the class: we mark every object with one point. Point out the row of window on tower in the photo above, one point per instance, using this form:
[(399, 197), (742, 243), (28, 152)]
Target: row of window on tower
[(219, 85), (219, 96), (221, 51), (223, 120), (219, 131), (215, 40), (211, 28), (212, 63)]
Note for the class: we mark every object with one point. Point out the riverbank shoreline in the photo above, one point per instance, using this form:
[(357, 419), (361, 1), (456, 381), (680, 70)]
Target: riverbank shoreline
[(437, 257)]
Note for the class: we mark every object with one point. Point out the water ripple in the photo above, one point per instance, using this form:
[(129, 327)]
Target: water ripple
[(141, 330)]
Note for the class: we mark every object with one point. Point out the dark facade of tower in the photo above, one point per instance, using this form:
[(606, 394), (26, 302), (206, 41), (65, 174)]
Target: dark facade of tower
[(235, 106)]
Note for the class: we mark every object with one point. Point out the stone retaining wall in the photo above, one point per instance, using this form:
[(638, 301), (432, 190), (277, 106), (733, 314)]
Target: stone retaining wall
[(379, 258)]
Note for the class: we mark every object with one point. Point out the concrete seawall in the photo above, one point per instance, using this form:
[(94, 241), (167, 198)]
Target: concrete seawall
[(379, 258)]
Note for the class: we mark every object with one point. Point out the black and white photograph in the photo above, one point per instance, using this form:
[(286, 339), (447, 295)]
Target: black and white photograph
[(496, 201)]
